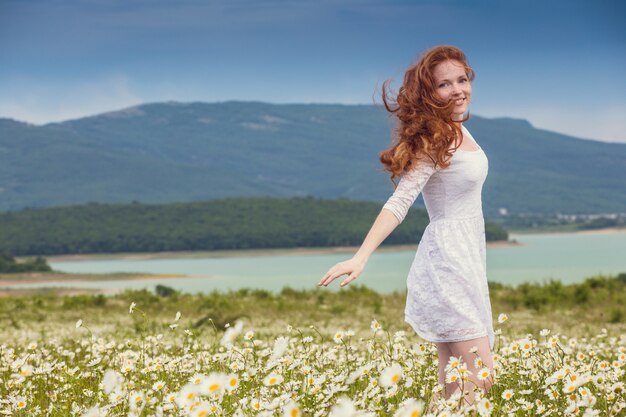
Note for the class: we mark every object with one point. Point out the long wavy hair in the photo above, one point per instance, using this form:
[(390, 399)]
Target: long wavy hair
[(425, 128)]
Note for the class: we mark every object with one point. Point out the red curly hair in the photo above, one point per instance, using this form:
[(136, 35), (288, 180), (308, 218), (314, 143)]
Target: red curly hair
[(426, 127)]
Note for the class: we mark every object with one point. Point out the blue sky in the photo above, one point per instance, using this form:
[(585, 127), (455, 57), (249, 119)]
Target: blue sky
[(559, 64)]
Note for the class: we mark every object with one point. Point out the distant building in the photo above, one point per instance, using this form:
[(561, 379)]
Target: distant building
[(594, 216)]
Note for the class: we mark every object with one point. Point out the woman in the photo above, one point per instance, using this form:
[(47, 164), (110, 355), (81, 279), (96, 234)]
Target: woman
[(448, 297)]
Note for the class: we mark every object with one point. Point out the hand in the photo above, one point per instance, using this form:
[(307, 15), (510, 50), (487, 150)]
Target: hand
[(353, 267)]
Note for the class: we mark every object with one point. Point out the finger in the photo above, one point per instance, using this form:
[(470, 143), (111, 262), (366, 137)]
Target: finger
[(326, 276), (348, 280), (331, 277)]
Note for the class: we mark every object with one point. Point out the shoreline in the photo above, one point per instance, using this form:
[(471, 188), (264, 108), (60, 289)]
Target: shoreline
[(7, 281), (230, 253), (606, 231), (59, 292), (10, 280), (52, 278)]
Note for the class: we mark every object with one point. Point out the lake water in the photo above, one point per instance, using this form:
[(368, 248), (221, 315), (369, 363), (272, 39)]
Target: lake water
[(569, 257)]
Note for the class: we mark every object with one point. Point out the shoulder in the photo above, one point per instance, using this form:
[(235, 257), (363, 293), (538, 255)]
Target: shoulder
[(426, 160), (420, 165)]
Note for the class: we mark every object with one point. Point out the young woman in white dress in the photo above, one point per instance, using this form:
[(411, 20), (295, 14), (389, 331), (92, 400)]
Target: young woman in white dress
[(447, 299)]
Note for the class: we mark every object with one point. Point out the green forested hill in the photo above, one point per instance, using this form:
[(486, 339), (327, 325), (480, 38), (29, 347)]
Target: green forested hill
[(171, 152), (231, 223)]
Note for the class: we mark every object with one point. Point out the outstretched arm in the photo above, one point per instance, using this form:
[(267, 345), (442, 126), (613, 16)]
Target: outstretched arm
[(384, 224), (391, 215)]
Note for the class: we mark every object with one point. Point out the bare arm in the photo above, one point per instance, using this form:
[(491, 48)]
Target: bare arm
[(392, 214), (384, 224)]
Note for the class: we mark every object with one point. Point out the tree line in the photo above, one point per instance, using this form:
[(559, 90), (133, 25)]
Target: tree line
[(8, 264), (230, 223)]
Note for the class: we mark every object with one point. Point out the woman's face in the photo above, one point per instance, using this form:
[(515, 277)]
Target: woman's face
[(451, 82)]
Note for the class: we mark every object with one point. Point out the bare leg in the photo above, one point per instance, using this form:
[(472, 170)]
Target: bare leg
[(443, 353), (484, 352)]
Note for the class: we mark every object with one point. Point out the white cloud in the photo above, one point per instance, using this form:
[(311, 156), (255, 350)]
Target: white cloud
[(27, 101)]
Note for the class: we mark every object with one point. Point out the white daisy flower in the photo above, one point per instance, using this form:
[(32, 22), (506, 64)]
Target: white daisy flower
[(338, 337), (214, 383), (391, 375), (111, 380), (507, 394), (484, 373), (232, 382), (375, 326), (291, 409), (484, 407), (411, 408), (95, 412), (280, 346), (272, 379), (343, 408), (187, 395)]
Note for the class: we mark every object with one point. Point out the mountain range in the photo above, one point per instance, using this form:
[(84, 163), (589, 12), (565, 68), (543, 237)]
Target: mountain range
[(176, 152)]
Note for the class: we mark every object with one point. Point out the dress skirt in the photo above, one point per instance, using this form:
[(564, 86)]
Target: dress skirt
[(448, 294)]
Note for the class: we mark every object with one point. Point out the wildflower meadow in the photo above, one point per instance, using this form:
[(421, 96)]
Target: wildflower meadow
[(256, 354)]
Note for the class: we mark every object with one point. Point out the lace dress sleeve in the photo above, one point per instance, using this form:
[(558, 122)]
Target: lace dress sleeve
[(411, 184)]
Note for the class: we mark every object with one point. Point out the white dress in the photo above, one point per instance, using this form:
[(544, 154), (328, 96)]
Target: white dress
[(448, 296)]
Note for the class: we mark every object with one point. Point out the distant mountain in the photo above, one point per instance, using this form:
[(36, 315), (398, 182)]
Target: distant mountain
[(171, 152)]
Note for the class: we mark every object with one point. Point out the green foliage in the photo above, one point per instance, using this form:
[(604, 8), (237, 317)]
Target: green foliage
[(594, 291), (495, 232), (599, 299), (165, 291), (616, 315), (78, 302), (8, 264), (554, 222), (601, 223), (232, 223)]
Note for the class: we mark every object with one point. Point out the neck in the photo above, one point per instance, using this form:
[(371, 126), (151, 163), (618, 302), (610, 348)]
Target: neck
[(457, 118)]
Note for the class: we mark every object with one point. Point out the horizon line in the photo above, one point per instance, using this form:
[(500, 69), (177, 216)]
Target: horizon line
[(296, 103), (280, 104)]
